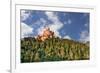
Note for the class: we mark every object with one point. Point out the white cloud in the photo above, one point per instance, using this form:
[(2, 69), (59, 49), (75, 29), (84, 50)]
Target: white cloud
[(86, 25), (65, 22), (25, 14), (43, 20), (69, 21), (42, 23), (84, 36), (67, 37), (25, 30), (40, 30), (56, 25), (51, 16)]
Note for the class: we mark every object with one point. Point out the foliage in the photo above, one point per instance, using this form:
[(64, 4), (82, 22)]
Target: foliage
[(53, 49)]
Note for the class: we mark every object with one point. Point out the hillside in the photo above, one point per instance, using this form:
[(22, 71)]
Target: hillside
[(52, 49)]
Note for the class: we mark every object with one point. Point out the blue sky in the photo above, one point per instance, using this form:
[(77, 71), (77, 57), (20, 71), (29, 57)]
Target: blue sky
[(70, 25)]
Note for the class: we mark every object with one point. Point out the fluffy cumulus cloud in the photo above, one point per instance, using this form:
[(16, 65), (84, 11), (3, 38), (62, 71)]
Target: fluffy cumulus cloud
[(67, 37), (41, 23), (25, 30), (25, 14), (84, 36), (56, 25)]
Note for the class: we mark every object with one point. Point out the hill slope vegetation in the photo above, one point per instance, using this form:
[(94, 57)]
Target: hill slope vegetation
[(52, 49)]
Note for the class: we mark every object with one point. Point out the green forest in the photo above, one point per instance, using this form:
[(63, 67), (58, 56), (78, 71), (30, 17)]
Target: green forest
[(53, 49)]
